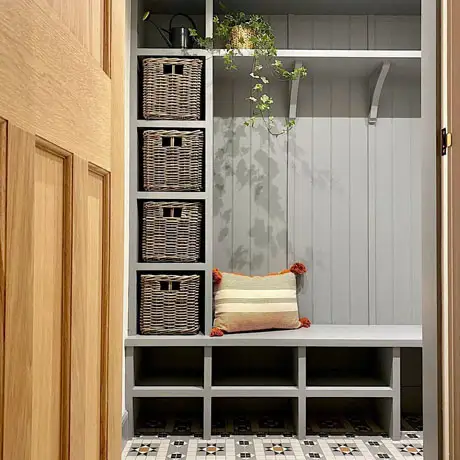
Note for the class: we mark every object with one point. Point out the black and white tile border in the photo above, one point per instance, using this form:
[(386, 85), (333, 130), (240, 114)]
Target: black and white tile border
[(275, 448)]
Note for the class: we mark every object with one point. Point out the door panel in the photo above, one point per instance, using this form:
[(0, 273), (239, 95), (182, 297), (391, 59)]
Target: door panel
[(19, 295), (49, 208), (88, 419), (84, 18), (51, 86)]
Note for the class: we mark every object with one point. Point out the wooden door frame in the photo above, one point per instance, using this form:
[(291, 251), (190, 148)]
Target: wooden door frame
[(450, 102), (117, 198), (430, 228)]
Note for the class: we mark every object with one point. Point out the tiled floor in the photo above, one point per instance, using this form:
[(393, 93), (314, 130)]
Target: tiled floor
[(269, 447)]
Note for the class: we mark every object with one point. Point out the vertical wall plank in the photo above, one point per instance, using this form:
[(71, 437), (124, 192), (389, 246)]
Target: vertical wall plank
[(224, 125), (300, 195), (301, 32), (359, 204), (277, 193), (358, 33), (279, 24), (241, 180), (396, 32), (322, 201), (384, 290), (340, 31), (322, 36), (340, 201), (260, 192), (402, 245)]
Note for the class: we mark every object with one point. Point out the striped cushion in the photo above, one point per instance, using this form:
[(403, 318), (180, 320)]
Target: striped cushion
[(245, 303)]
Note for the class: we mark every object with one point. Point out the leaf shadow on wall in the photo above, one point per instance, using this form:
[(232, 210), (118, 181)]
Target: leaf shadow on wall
[(239, 168)]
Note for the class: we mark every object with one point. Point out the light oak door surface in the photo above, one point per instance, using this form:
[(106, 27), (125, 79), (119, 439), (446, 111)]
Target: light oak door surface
[(61, 228), (451, 230)]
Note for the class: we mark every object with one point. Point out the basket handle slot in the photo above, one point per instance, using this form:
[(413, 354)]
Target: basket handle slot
[(164, 285), (171, 141), (175, 285), (173, 69), (172, 212), (170, 285)]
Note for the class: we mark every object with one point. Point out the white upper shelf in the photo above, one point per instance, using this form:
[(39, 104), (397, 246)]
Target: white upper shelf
[(346, 63)]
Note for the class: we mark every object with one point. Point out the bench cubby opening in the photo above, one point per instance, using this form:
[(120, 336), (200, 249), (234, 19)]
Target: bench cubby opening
[(254, 366), (169, 366), (254, 416), (349, 416), (168, 416), (333, 366)]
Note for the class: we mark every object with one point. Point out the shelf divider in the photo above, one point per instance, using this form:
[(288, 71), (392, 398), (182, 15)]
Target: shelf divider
[(167, 392)]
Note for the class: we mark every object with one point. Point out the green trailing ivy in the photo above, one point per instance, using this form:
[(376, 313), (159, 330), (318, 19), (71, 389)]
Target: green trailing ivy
[(264, 66)]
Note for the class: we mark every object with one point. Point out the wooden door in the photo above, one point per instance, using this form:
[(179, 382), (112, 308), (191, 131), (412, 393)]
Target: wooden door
[(61, 228), (450, 108)]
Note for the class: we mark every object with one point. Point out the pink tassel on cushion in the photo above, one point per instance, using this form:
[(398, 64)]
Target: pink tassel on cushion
[(216, 276), (216, 332), (305, 322), (298, 268)]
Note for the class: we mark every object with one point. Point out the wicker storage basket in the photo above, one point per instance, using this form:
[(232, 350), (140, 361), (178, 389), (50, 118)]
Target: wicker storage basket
[(173, 160), (172, 88), (171, 231), (169, 304)]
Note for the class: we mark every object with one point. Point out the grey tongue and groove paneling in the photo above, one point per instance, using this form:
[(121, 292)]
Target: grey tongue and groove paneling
[(328, 200), (351, 191), (395, 221)]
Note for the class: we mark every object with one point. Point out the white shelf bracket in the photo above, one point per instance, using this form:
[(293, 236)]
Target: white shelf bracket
[(378, 79), (294, 93)]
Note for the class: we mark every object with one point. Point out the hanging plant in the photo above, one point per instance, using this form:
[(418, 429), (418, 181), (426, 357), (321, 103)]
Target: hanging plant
[(240, 31)]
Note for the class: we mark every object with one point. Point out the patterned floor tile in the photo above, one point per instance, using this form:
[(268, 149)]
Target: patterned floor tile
[(275, 447)]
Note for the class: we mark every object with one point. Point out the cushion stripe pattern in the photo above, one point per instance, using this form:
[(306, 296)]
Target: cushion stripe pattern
[(245, 303)]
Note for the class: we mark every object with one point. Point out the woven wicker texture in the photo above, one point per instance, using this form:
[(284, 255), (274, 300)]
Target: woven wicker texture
[(173, 160), (171, 231), (240, 37), (169, 304), (172, 88)]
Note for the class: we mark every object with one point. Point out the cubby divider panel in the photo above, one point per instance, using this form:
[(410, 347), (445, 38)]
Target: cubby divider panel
[(254, 366), (169, 366), (348, 416), (168, 416), (349, 366), (254, 416), (411, 389)]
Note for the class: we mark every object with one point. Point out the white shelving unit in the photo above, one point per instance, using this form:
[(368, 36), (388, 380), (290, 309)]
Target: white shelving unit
[(374, 64)]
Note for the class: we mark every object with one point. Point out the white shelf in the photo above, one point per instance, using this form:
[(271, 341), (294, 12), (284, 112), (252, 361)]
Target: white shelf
[(347, 63), (171, 266), (171, 124), (254, 391), (349, 392), (145, 52), (165, 340), (167, 391), (172, 195)]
